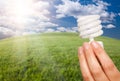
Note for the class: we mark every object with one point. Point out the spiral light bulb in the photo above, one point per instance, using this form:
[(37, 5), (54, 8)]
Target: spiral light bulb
[(90, 27)]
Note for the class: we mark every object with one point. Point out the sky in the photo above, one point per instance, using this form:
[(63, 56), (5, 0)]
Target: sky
[(23, 17)]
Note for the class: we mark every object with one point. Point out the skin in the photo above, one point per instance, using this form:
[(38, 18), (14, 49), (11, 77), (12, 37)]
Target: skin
[(95, 64)]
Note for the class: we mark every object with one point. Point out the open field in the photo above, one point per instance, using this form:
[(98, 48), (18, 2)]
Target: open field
[(47, 57)]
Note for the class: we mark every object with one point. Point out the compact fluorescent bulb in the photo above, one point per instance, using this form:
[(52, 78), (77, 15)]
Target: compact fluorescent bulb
[(90, 27)]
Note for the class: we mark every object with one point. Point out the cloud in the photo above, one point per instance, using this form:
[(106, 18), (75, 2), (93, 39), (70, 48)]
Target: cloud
[(28, 33), (25, 15), (60, 15), (68, 29), (61, 29), (76, 9), (5, 32), (119, 14), (21, 17), (47, 24), (75, 29), (110, 26), (49, 30)]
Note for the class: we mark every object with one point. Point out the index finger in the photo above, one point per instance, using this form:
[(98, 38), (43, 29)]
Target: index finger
[(107, 64), (93, 64), (87, 76)]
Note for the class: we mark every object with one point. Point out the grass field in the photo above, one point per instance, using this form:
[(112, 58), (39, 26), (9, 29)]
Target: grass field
[(47, 57)]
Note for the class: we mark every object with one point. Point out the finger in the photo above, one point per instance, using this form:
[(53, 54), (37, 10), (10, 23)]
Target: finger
[(107, 64), (93, 64), (83, 66)]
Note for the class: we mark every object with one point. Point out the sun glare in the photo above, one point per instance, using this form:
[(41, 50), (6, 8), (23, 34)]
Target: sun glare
[(20, 10), (21, 14)]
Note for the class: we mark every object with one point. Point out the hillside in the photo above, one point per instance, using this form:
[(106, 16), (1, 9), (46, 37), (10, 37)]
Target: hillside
[(47, 57)]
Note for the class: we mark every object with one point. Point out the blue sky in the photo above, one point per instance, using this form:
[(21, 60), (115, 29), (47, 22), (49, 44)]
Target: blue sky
[(21, 17), (114, 7)]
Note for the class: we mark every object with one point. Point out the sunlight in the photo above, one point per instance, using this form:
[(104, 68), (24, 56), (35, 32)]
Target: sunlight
[(20, 9), (24, 14)]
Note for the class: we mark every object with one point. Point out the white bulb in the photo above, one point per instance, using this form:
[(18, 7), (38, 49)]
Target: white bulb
[(89, 26)]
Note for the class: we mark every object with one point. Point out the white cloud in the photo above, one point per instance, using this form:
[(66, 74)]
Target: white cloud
[(50, 30), (61, 29), (110, 26), (35, 15), (5, 32), (68, 29), (76, 9), (119, 14), (25, 15), (47, 24), (75, 29), (28, 33), (60, 15)]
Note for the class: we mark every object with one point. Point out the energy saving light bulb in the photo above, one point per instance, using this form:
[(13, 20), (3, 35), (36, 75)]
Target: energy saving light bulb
[(90, 27)]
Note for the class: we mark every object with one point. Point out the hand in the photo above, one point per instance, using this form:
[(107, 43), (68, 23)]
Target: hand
[(95, 64)]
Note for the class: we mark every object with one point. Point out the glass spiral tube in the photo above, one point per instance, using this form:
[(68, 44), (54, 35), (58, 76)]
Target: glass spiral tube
[(89, 26)]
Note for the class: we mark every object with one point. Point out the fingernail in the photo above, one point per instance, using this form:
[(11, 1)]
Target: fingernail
[(94, 44), (86, 45), (80, 51)]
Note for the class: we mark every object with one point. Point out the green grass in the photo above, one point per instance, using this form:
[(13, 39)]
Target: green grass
[(47, 57)]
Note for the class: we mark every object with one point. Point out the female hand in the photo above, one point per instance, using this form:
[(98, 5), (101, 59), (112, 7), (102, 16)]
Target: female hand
[(95, 64)]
